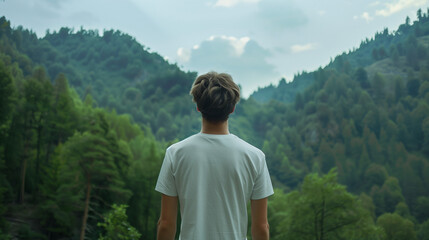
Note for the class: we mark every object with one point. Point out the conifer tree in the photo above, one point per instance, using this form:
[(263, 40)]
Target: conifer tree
[(90, 166)]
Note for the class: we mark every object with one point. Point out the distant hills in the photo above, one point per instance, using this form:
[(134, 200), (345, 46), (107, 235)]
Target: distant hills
[(115, 70), (383, 45)]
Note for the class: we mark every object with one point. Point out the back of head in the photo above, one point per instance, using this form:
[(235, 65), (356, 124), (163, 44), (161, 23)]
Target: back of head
[(215, 95)]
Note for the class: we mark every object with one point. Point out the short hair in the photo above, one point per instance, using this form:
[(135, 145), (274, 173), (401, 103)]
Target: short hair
[(216, 95)]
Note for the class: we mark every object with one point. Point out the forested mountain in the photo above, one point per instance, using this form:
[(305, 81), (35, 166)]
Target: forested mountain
[(366, 114), (382, 45), (65, 162), (284, 91), (347, 145), (118, 72)]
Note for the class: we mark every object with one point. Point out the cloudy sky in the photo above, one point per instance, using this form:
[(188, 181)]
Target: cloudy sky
[(256, 41)]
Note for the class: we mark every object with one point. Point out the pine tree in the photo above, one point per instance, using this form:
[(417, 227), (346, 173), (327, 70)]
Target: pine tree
[(90, 166), (38, 102), (6, 95)]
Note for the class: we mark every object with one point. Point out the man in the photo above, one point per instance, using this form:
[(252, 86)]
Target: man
[(213, 174)]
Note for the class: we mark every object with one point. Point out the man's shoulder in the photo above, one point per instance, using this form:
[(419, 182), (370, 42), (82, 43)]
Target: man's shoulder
[(183, 143), (237, 143), (247, 146)]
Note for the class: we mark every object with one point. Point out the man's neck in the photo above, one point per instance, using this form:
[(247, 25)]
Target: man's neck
[(214, 128)]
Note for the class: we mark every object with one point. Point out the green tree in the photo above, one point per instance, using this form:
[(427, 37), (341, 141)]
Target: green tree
[(327, 157), (56, 210), (378, 87), (6, 96), (116, 225), (65, 118), (423, 232), (90, 166), (422, 209), (38, 102), (362, 77), (395, 56), (419, 14), (413, 86), (141, 178), (299, 101), (323, 209), (396, 227), (388, 196), (375, 174)]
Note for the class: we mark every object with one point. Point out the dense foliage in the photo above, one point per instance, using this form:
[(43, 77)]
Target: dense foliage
[(85, 119), (118, 72), (65, 162), (284, 91)]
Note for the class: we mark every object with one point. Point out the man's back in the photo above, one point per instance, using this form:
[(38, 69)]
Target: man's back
[(214, 176)]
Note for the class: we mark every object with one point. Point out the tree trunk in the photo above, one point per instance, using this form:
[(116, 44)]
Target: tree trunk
[(23, 170), (39, 139), (23, 173), (85, 213), (322, 219)]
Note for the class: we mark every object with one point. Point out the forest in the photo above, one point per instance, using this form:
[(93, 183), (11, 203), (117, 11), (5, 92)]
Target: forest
[(85, 118)]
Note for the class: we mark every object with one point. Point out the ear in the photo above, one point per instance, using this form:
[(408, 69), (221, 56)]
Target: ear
[(233, 109), (198, 109)]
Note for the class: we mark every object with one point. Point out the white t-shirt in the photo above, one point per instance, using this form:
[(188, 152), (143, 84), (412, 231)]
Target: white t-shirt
[(214, 176)]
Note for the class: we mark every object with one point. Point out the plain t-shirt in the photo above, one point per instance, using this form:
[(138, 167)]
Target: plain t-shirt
[(214, 176)]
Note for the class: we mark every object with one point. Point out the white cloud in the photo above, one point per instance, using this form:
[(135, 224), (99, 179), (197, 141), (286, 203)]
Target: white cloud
[(297, 48), (391, 8), (231, 3), (241, 57), (183, 54), (367, 17), (237, 43)]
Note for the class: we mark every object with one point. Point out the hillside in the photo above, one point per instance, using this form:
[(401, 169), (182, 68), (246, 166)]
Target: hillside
[(284, 91), (384, 44), (64, 161), (367, 115), (117, 72)]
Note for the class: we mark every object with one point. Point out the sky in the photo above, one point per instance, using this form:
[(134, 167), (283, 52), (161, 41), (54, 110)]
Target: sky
[(256, 41)]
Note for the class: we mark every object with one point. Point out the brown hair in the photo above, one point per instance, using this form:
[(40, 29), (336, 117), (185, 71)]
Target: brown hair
[(215, 95)]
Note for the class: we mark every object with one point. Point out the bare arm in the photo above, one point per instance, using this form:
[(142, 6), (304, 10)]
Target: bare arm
[(168, 218), (260, 227)]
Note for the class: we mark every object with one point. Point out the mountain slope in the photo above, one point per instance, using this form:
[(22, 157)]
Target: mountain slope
[(367, 115), (118, 72), (383, 45)]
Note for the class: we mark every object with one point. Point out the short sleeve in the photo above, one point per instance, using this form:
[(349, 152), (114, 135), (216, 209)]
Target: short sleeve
[(263, 186), (166, 183)]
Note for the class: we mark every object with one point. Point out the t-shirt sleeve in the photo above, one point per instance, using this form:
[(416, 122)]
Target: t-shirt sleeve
[(263, 186), (166, 183)]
